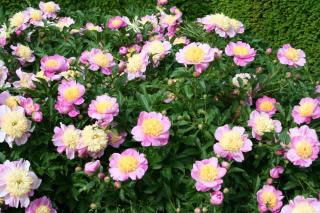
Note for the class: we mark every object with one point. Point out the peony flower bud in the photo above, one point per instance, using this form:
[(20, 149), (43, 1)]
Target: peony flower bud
[(91, 167), (162, 2), (101, 175), (276, 172), (216, 198), (123, 50), (269, 51), (37, 116)]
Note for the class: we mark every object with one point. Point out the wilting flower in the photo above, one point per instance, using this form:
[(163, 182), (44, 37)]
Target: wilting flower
[(116, 139), (36, 17), (17, 183), (302, 204), (152, 129), (223, 25), (198, 54), (267, 105), (232, 142), (52, 65), (14, 126), (242, 53), (157, 49), (307, 110), (118, 22), (136, 66), (261, 123), (269, 199), (93, 141), (3, 73), (49, 9), (208, 174), (103, 108), (92, 27), (130, 164), (245, 77), (25, 80), (40, 205), (24, 53), (64, 22), (291, 56), (276, 172), (91, 167), (3, 37), (216, 198), (9, 100), (99, 59), (19, 21), (66, 139)]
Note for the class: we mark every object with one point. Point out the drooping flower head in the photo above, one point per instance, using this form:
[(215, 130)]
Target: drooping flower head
[(136, 66), (36, 17), (40, 205), (307, 110), (231, 142), (49, 9), (157, 49), (103, 108), (152, 129), (55, 64), (117, 22), (261, 123), (130, 164), (208, 174), (115, 138), (24, 53), (99, 59), (291, 56), (269, 199), (19, 21), (25, 80), (302, 204), (64, 22), (14, 126), (242, 53), (17, 183), (267, 105), (66, 139), (197, 54)]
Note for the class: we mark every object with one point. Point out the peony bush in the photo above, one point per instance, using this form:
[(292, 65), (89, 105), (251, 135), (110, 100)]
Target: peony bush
[(152, 113)]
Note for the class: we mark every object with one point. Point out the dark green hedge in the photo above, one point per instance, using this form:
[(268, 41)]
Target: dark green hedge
[(277, 21)]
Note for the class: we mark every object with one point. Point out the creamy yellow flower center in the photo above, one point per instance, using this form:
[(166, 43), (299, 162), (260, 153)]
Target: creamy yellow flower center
[(304, 149), (43, 209), (208, 173), (152, 127), (40, 74), (14, 124), (292, 54), (24, 52), (306, 109), (70, 138), (235, 24), (71, 93), (18, 182), (49, 7), (240, 50), (194, 54), (17, 19), (35, 15), (101, 60), (266, 106), (170, 19), (51, 63), (103, 106), (224, 24), (127, 164), (11, 102), (231, 141), (156, 47), (116, 22), (270, 199), (303, 207), (94, 138), (263, 124), (134, 63)]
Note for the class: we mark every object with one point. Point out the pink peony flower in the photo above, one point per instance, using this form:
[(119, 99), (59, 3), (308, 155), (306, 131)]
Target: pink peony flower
[(157, 49), (242, 53), (40, 205), (91, 167), (291, 56), (9, 100), (261, 123), (25, 80), (52, 65), (276, 172), (232, 142), (116, 139), (307, 110), (216, 198), (36, 17), (302, 204), (19, 22), (197, 54), (267, 105), (181, 40), (17, 183), (162, 2), (64, 22), (99, 59), (49, 9), (28, 105), (66, 139), (152, 129), (136, 66), (208, 174), (103, 108), (170, 22), (71, 92), (269, 199), (118, 22), (37, 116), (130, 164), (24, 53), (92, 27), (303, 131)]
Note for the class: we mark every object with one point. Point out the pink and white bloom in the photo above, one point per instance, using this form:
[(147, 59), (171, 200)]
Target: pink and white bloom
[(208, 174), (118, 22), (90, 26), (14, 126), (24, 53), (29, 106), (302, 204), (152, 129), (307, 110), (276, 172), (181, 40), (232, 142), (49, 9), (99, 59), (291, 56), (269, 199), (66, 139), (136, 66), (261, 123), (36, 17), (19, 21), (17, 183), (42, 204), (157, 49), (104, 108), (55, 64), (91, 167), (303, 131), (198, 54), (130, 164), (171, 22), (115, 138), (9, 100), (242, 53), (267, 105), (64, 22), (3, 73), (216, 198), (3, 36), (25, 80)]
